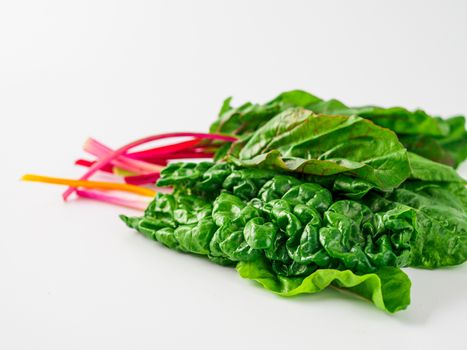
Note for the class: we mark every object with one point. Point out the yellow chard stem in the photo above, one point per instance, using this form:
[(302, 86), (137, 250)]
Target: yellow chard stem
[(91, 184)]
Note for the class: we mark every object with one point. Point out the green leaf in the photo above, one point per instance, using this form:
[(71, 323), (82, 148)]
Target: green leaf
[(398, 119), (259, 234), (403, 121), (243, 119), (351, 187), (295, 98), (226, 208), (450, 149), (388, 288), (441, 220), (299, 141), (226, 105), (427, 170), (295, 236), (441, 140), (248, 117), (429, 148), (455, 143)]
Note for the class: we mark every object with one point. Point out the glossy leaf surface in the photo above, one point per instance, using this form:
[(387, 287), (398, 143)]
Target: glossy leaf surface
[(299, 141), (388, 288)]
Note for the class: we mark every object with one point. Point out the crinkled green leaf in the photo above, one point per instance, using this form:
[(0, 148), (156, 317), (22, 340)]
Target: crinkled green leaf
[(441, 220), (351, 187), (388, 288), (295, 223), (300, 226), (295, 236)]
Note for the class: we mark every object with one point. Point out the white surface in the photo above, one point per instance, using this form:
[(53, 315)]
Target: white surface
[(74, 277)]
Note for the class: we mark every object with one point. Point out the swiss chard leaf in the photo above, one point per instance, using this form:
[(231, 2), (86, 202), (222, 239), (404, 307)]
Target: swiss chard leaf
[(388, 288), (441, 220), (398, 119), (443, 141), (440, 140), (248, 117), (450, 149), (298, 140), (455, 143), (424, 169)]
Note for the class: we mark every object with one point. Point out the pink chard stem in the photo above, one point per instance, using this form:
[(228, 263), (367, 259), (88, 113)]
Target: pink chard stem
[(112, 199), (137, 166), (122, 150)]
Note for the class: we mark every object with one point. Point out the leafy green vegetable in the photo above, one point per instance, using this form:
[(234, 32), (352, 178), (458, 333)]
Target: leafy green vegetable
[(315, 194), (440, 140), (308, 194)]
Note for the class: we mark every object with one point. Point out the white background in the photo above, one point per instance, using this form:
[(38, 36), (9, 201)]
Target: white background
[(72, 276)]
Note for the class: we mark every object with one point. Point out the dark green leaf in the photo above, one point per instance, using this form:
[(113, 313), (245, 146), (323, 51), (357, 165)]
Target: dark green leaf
[(427, 170), (441, 220)]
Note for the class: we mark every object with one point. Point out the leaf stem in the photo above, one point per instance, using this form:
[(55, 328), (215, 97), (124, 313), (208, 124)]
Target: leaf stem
[(91, 184), (122, 150), (102, 197)]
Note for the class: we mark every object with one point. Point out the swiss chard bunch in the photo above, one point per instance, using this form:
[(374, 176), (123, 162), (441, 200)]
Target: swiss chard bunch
[(301, 194), (303, 198)]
